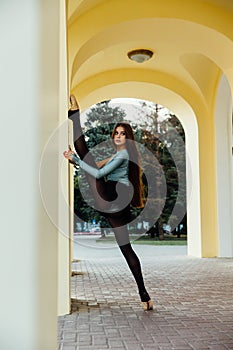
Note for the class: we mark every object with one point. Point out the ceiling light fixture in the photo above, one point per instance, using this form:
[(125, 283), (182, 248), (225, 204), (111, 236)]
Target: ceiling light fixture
[(140, 55)]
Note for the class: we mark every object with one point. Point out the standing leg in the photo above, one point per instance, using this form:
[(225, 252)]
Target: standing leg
[(122, 236), (135, 267)]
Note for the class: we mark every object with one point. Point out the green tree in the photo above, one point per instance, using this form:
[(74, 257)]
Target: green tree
[(165, 138)]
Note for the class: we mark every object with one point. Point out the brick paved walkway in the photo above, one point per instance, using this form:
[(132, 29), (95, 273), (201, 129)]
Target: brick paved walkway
[(194, 303)]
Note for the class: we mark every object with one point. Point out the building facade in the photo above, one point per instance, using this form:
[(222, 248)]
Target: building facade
[(52, 48)]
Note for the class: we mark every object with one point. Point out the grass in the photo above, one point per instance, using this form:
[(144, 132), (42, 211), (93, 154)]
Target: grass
[(169, 240), (158, 242)]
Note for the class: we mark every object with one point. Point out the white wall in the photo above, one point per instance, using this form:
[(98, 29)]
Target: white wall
[(29, 93), (223, 120), (65, 226)]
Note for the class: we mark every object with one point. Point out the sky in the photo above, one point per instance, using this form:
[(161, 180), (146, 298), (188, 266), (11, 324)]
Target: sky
[(133, 109)]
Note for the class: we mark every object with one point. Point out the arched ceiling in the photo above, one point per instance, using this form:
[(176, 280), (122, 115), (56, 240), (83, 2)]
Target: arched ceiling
[(191, 41)]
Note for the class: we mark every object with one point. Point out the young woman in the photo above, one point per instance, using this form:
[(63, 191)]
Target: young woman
[(115, 183)]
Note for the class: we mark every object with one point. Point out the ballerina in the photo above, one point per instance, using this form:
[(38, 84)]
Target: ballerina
[(116, 184)]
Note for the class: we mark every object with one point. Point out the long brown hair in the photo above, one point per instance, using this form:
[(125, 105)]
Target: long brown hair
[(135, 172)]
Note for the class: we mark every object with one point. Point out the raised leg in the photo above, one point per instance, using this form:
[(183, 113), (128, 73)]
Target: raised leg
[(98, 186)]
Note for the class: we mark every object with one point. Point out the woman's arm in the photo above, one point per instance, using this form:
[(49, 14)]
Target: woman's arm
[(101, 163), (113, 164)]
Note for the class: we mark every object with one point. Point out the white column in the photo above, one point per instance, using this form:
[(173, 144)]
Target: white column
[(189, 123), (193, 184), (188, 119), (223, 119), (29, 73), (65, 215)]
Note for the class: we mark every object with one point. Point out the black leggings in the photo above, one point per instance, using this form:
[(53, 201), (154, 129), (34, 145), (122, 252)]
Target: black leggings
[(103, 193)]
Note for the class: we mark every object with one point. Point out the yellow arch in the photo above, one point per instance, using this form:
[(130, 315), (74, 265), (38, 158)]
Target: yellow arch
[(192, 45)]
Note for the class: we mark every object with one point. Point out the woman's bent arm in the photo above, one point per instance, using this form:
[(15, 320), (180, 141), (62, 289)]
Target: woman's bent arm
[(101, 163), (107, 169)]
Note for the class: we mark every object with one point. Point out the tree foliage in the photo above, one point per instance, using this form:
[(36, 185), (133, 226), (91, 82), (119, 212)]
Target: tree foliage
[(166, 139)]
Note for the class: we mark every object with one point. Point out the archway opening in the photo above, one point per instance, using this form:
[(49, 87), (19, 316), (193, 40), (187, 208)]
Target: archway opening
[(161, 132)]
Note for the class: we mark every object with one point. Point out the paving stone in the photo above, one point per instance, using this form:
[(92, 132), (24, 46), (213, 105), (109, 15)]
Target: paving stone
[(69, 347), (133, 346), (193, 311)]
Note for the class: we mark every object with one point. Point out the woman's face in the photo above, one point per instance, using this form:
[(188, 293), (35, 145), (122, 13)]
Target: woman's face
[(119, 137)]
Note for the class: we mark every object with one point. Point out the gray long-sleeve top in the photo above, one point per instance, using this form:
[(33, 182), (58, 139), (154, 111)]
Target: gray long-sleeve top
[(116, 169)]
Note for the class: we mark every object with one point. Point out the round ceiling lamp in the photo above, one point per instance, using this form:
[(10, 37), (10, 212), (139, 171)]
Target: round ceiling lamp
[(140, 55)]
